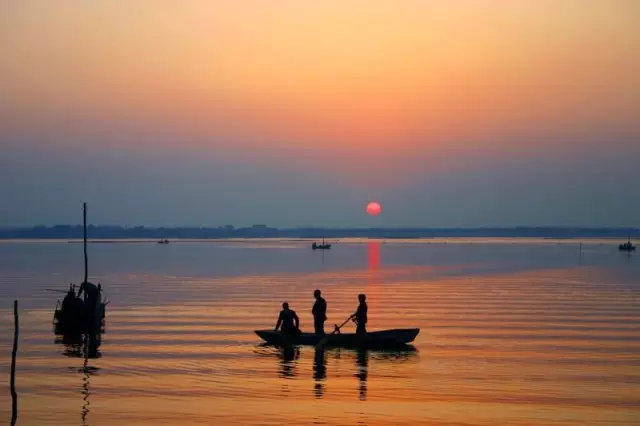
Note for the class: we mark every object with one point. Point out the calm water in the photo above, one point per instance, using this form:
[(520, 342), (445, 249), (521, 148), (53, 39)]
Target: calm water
[(512, 333)]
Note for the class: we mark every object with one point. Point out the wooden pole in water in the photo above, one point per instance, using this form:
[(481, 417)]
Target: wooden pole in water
[(14, 354), (86, 262)]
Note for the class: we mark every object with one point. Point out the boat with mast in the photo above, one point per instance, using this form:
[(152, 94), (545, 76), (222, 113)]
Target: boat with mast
[(628, 247), (323, 246), (73, 314)]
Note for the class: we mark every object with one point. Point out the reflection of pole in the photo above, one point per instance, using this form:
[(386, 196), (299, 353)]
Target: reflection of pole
[(85, 382), (14, 354), (580, 253), (373, 257)]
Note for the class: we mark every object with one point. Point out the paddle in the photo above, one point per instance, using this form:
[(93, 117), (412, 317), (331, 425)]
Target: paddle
[(325, 339), (57, 291)]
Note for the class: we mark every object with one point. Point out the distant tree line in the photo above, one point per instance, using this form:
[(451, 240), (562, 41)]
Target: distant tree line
[(263, 231)]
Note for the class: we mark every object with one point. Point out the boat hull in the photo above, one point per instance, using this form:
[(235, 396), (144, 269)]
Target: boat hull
[(321, 247), (80, 320), (374, 339)]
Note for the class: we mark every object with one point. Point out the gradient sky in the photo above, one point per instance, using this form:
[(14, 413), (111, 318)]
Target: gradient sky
[(293, 113)]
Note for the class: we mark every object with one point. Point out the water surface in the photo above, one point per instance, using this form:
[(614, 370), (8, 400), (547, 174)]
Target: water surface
[(516, 332)]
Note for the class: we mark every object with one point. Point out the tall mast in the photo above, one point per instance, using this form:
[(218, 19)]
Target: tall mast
[(86, 261)]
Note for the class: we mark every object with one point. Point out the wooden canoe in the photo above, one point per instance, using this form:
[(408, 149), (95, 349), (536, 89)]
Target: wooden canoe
[(374, 339)]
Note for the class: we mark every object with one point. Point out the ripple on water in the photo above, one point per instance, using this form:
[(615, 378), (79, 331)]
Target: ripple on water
[(543, 344)]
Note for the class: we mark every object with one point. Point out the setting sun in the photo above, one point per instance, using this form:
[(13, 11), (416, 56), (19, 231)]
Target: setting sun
[(374, 209)]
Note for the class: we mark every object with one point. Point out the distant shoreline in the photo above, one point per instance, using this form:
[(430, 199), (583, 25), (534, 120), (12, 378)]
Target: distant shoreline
[(306, 242), (228, 233)]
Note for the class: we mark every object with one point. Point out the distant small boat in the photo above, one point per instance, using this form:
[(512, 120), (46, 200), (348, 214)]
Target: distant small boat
[(375, 339), (323, 246), (165, 241), (627, 246)]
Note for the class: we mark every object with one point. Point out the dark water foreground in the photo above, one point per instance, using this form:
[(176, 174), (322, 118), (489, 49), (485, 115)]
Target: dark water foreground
[(512, 334)]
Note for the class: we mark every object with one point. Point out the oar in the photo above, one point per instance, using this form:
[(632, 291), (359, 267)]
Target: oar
[(324, 340), (57, 291)]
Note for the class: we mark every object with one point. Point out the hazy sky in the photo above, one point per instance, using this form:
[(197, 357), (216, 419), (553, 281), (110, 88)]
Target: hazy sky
[(287, 112)]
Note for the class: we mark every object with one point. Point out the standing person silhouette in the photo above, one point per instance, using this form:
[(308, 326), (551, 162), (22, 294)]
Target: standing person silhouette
[(360, 317), (319, 312)]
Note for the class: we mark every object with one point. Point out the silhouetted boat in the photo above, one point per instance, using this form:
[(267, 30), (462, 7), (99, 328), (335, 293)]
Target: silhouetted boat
[(77, 315), (79, 320), (165, 241), (323, 246), (374, 339), (627, 246)]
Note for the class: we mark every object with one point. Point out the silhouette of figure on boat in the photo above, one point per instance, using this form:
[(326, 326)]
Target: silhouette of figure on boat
[(71, 303), (91, 296), (360, 317), (288, 321), (319, 312)]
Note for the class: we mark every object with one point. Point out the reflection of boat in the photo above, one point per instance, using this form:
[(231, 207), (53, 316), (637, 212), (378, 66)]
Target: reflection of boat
[(374, 339), (83, 346), (165, 241), (627, 246), (74, 315), (288, 356), (323, 246)]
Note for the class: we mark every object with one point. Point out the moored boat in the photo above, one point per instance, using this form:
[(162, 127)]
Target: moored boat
[(374, 339), (323, 246), (81, 315), (627, 246)]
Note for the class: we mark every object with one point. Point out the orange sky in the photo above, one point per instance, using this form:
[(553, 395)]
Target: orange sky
[(358, 73), (401, 87)]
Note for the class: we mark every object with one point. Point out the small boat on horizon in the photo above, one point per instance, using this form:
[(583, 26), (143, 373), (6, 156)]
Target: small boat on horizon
[(375, 339), (323, 246), (164, 241), (627, 246)]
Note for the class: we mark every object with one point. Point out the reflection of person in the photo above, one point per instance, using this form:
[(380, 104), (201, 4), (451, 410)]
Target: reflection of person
[(319, 365), (319, 373), (362, 362), (288, 321), (360, 317), (289, 355), (319, 312)]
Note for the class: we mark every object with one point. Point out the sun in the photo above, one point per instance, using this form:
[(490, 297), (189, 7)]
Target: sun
[(374, 208)]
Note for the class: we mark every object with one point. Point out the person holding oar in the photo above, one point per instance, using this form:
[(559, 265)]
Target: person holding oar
[(319, 312), (359, 317)]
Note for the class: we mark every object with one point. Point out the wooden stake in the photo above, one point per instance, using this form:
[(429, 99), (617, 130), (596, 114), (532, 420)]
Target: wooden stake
[(14, 354), (86, 262)]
